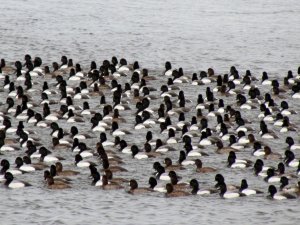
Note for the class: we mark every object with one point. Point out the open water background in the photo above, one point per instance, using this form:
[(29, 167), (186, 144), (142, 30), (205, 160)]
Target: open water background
[(256, 35)]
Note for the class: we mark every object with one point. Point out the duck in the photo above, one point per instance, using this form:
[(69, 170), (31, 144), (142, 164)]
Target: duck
[(241, 126), (260, 169), (7, 144), (171, 137), (258, 150), (51, 184), (10, 183), (233, 162), (168, 69), (124, 147), (242, 138), (139, 123), (106, 166), (6, 168), (219, 178), (134, 188), (271, 155), (137, 154), (115, 180), (201, 104), (205, 140), (153, 185), (271, 177), (291, 144), (104, 141), (61, 172), (46, 157), (174, 193), (109, 186), (194, 184), (223, 150), (161, 172), (266, 134), (79, 162), (55, 129), (281, 171), (169, 165), (224, 135), (265, 79), (285, 109), (278, 196), (195, 80), (148, 151), (48, 115), (74, 133), (183, 161), (24, 167), (46, 89), (5, 68), (39, 122), (60, 144), (86, 109), (83, 151), (227, 195), (174, 178), (38, 166), (166, 92), (285, 187), (98, 124), (10, 102), (53, 173), (234, 144), (72, 118), (201, 169), (245, 190), (118, 132), (290, 159), (287, 126), (161, 147)]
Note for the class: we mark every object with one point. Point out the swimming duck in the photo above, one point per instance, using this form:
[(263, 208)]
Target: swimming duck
[(182, 159), (271, 177), (51, 184), (202, 169), (278, 196), (245, 190), (194, 184), (233, 162), (173, 193), (291, 144), (116, 131), (46, 157), (290, 159), (10, 183), (61, 172), (153, 185), (169, 165), (222, 150), (6, 168), (227, 195), (136, 154), (271, 155), (134, 188), (24, 167), (79, 162)]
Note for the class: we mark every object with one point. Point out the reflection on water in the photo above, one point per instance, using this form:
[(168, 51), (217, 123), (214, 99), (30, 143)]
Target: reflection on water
[(194, 35)]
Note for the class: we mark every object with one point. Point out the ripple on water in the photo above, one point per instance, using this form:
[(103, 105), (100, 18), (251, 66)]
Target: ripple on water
[(192, 35)]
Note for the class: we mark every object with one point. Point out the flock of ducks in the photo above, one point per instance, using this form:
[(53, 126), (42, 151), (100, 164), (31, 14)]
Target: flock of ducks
[(230, 114)]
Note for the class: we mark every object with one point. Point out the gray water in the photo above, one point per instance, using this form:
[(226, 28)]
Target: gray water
[(256, 35)]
